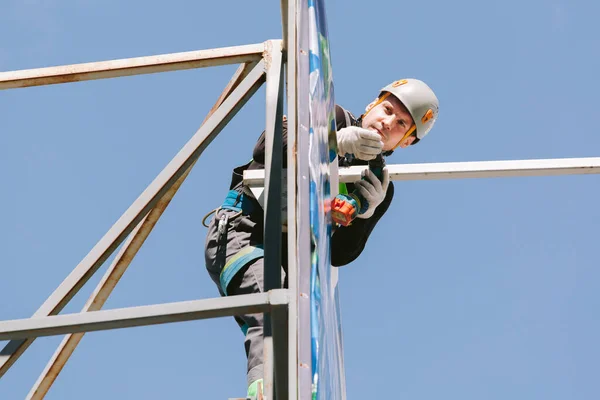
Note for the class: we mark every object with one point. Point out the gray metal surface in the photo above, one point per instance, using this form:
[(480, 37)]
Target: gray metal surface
[(131, 66), (285, 7), (143, 315), (136, 212), (290, 46), (468, 169), (304, 355), (485, 169), (274, 166), (275, 373)]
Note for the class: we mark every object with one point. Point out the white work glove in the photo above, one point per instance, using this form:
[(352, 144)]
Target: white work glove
[(362, 143), (372, 190)]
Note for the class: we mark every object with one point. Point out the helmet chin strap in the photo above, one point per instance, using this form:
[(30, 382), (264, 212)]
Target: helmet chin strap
[(379, 101), (407, 134)]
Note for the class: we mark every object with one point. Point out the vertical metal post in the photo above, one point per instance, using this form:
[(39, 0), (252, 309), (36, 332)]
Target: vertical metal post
[(275, 328), (290, 53), (303, 211)]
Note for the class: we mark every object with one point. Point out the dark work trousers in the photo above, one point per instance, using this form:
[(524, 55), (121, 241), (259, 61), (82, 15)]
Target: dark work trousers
[(241, 233)]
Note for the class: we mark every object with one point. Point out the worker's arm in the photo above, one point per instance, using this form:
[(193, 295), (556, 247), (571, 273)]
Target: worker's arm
[(347, 242), (258, 154)]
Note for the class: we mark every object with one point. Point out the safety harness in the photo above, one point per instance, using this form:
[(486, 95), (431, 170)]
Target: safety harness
[(242, 205)]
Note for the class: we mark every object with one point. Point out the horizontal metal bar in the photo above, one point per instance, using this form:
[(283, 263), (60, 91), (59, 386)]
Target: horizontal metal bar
[(144, 315), (471, 169), (131, 66)]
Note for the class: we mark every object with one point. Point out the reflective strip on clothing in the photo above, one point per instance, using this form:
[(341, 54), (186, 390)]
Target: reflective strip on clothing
[(237, 262)]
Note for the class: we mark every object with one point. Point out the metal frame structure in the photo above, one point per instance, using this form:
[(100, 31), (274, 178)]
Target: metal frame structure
[(287, 353), (260, 63)]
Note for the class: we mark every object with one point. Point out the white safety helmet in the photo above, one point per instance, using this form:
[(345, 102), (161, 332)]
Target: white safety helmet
[(420, 101)]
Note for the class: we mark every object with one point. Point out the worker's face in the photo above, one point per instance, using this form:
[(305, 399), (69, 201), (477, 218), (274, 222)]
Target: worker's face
[(391, 120)]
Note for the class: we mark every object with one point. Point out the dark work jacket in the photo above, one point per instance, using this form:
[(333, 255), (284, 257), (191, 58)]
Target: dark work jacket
[(347, 242)]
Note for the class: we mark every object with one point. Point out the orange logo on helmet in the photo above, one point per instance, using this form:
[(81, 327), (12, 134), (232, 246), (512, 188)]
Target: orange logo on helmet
[(427, 117), (399, 83)]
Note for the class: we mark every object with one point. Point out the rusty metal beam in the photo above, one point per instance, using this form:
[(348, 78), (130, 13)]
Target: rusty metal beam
[(155, 314), (131, 66)]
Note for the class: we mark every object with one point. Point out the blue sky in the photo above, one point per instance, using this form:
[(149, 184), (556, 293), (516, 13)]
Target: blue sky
[(468, 289)]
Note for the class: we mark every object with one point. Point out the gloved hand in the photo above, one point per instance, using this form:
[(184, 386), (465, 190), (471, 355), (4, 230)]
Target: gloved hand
[(363, 143), (372, 190)]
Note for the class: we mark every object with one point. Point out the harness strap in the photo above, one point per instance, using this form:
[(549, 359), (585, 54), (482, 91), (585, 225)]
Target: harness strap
[(238, 201), (347, 116)]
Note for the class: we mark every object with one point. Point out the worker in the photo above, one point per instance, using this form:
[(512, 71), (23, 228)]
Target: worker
[(402, 114)]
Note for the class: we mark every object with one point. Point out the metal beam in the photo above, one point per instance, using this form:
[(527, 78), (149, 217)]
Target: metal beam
[(273, 164), (285, 23), (290, 54), (303, 228), (142, 316), (275, 328), (137, 211), (120, 264), (471, 169), (131, 66)]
